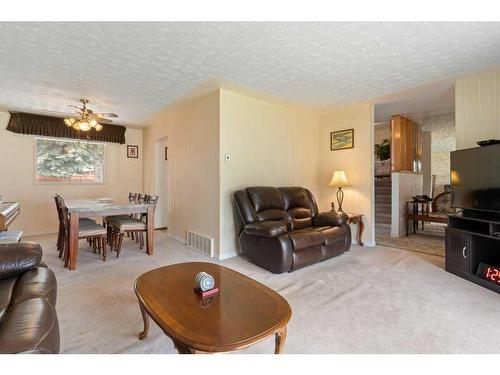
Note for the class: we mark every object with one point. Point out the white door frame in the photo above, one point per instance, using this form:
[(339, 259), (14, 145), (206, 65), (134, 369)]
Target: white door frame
[(161, 212)]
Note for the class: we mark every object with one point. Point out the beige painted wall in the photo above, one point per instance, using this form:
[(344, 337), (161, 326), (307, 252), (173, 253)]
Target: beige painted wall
[(268, 144), (477, 109), (192, 129), (38, 213), (405, 185), (358, 163)]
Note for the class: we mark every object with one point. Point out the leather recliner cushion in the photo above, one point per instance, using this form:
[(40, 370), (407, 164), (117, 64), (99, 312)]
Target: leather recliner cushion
[(265, 197), (18, 257), (272, 214), (306, 256), (266, 228), (39, 282), (332, 234), (300, 218), (305, 238), (30, 326), (294, 197), (7, 286), (297, 207)]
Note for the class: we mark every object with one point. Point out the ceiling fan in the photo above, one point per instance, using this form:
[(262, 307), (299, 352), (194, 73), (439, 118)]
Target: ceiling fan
[(87, 119)]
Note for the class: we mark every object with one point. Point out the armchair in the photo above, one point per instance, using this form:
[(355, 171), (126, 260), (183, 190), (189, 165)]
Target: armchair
[(281, 229), (28, 291)]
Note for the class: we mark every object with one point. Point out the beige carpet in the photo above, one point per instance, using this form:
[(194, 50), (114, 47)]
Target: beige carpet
[(426, 242), (369, 300)]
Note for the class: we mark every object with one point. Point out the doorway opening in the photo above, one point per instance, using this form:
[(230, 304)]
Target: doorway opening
[(414, 135), (161, 183)]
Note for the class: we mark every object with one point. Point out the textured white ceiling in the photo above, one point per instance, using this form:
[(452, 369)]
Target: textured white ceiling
[(419, 103), (135, 69)]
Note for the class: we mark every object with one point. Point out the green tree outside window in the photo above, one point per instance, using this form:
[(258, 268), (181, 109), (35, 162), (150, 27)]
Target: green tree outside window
[(69, 161)]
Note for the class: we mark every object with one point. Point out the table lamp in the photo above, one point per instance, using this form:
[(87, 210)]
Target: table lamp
[(339, 180)]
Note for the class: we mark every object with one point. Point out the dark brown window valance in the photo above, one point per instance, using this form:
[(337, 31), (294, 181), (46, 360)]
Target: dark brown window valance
[(48, 126)]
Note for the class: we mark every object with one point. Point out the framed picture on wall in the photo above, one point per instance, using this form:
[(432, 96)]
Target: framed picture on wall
[(132, 151), (342, 139)]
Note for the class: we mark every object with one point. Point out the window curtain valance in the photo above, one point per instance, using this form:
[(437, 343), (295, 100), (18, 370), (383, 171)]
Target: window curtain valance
[(48, 126)]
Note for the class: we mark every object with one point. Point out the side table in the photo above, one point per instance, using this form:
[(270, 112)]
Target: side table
[(357, 219)]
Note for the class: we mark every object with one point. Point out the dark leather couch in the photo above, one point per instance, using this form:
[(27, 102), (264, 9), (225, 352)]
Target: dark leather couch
[(28, 290), (281, 229)]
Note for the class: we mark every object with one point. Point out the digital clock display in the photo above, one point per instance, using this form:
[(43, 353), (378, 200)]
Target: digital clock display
[(490, 273)]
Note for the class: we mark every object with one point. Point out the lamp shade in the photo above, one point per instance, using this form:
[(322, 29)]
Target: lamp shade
[(339, 179)]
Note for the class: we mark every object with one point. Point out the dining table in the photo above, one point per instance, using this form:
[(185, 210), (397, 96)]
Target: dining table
[(92, 208)]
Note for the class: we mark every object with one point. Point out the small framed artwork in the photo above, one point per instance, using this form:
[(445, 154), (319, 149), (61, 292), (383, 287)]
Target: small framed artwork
[(132, 151), (342, 140)]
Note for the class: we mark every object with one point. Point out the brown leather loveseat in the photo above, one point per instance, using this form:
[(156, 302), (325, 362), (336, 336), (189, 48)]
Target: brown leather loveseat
[(28, 290), (281, 229)]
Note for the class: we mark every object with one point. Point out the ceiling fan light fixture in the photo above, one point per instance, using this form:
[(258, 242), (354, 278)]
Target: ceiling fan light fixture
[(69, 121), (85, 126), (87, 119)]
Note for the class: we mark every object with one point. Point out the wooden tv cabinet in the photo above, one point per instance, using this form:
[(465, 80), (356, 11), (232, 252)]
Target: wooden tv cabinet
[(470, 241)]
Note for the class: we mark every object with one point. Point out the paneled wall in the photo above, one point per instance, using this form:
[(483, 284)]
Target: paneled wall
[(38, 213), (267, 144), (192, 131), (477, 109), (358, 163)]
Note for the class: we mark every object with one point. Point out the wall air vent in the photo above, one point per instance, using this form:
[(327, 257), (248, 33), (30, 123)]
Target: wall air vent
[(200, 242)]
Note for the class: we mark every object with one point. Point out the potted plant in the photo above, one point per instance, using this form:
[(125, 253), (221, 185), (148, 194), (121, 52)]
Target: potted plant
[(383, 149)]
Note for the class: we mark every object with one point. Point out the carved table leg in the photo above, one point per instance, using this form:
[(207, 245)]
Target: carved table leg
[(183, 349), (280, 341), (145, 318), (360, 232)]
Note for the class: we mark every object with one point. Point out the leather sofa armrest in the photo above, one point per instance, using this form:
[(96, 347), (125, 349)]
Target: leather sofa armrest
[(331, 218), (266, 229), (19, 257)]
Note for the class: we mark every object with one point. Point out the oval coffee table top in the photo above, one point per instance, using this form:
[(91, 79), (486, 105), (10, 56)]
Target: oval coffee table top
[(242, 313)]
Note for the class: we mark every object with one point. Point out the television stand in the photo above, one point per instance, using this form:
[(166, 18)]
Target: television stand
[(471, 240)]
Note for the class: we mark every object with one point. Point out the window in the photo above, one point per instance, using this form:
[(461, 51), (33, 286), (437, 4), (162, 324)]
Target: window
[(67, 161)]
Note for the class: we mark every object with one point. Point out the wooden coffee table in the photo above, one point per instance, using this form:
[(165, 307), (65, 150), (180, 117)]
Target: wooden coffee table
[(243, 313)]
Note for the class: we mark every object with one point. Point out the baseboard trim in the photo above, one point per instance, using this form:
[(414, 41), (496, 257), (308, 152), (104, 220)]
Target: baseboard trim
[(232, 254)]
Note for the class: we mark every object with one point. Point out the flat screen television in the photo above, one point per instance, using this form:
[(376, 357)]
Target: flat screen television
[(475, 178)]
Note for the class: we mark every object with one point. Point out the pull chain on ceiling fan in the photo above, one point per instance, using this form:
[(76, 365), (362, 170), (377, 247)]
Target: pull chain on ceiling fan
[(88, 119)]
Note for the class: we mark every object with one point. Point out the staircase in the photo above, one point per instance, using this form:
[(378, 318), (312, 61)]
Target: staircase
[(383, 198)]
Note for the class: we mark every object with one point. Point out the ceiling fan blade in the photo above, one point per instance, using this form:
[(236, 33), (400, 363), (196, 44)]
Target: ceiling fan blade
[(103, 120), (101, 115)]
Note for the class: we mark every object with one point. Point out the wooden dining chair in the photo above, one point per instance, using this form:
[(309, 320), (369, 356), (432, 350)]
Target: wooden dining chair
[(132, 198), (121, 226), (93, 231), (60, 232)]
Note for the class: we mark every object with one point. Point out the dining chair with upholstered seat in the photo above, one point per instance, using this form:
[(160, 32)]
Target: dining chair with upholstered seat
[(60, 232), (121, 226), (132, 198), (87, 230)]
